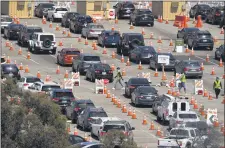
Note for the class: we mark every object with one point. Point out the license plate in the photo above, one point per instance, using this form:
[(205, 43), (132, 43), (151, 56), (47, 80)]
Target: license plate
[(148, 97), (113, 43), (64, 101), (10, 74), (204, 40), (193, 70), (104, 73)]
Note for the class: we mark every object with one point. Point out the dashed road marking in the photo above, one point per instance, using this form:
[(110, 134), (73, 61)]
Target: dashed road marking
[(30, 59)]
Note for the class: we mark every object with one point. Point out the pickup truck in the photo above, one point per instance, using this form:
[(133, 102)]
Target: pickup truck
[(182, 138)]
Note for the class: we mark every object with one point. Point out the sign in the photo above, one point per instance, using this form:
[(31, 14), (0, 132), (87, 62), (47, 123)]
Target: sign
[(198, 86), (164, 59), (111, 14), (179, 45), (211, 116)]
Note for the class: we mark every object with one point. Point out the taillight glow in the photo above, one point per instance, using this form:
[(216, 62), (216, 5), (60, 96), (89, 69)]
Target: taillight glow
[(186, 69), (92, 31), (102, 133), (97, 71), (55, 99), (77, 109), (125, 133), (217, 14), (131, 86), (25, 84)]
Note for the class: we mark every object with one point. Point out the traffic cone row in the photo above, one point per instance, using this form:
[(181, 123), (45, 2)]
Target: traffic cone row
[(128, 62), (221, 63), (108, 95), (205, 93)]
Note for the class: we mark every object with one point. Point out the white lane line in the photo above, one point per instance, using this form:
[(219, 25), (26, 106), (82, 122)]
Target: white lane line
[(149, 134), (53, 56), (31, 60), (209, 61)]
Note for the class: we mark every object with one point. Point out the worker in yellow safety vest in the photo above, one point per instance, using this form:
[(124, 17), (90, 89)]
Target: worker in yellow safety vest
[(183, 81), (217, 86)]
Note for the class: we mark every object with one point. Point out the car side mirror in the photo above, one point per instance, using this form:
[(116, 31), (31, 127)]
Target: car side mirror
[(133, 128)]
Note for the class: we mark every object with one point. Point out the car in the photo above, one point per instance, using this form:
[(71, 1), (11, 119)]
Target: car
[(92, 30), (190, 68), (222, 23), (56, 13), (5, 21), (144, 95), (215, 15), (201, 39), (133, 83), (66, 55), (99, 71), (62, 97), (43, 87), (97, 124), (26, 32), (12, 30), (121, 125), (83, 61), (154, 62), (156, 103), (85, 117), (76, 107), (108, 38), (180, 117), (128, 42), (42, 9), (27, 81), (67, 17), (219, 53), (3, 61), (42, 42), (142, 54), (89, 145), (185, 32), (123, 9), (199, 9), (75, 139), (10, 70), (142, 17), (81, 21)]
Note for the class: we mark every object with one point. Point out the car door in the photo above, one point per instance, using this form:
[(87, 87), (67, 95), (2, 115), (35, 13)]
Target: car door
[(133, 54), (100, 38)]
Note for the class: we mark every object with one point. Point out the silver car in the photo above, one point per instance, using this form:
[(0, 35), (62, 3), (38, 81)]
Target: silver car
[(189, 68), (5, 21), (92, 30)]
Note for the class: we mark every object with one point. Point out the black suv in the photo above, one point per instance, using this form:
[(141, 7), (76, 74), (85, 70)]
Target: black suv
[(215, 15), (142, 17), (123, 9), (199, 9), (129, 41), (42, 9), (81, 21), (26, 33), (200, 39), (10, 70)]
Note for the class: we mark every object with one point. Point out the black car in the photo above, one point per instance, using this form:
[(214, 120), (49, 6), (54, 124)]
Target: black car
[(129, 41), (154, 61), (79, 22), (220, 53), (185, 32), (75, 139), (10, 70), (123, 9), (26, 33), (67, 17), (76, 107), (215, 15), (42, 9), (144, 95), (108, 38), (62, 97), (12, 31), (99, 71), (133, 83), (200, 39), (199, 9), (142, 17), (142, 53)]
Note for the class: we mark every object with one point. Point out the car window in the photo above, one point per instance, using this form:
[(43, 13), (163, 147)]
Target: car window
[(73, 52), (32, 80), (46, 37), (22, 80), (31, 30), (187, 116), (204, 35), (138, 37), (112, 34), (61, 9), (47, 5), (91, 58), (148, 90), (128, 5), (9, 68), (85, 19), (97, 114), (183, 106), (84, 105), (192, 64), (64, 94), (179, 133), (144, 12), (49, 87), (174, 106), (139, 81), (102, 66), (113, 127)]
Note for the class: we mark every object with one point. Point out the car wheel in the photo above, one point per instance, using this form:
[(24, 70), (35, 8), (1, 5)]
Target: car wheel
[(22, 42), (211, 48), (152, 24), (86, 77), (53, 51), (164, 121), (62, 24), (158, 118), (200, 77)]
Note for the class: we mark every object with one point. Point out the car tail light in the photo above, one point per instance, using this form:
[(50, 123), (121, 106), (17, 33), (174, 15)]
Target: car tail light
[(125, 133), (110, 71), (97, 71), (92, 31), (65, 57), (72, 99), (55, 99), (131, 86), (167, 112), (102, 133), (140, 96), (77, 109), (105, 37), (186, 69), (217, 14), (25, 84), (200, 69), (89, 119)]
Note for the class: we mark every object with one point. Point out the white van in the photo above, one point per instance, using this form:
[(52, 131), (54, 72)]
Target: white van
[(169, 106)]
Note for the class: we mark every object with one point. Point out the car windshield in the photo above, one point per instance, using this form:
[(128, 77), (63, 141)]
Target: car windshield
[(137, 37), (48, 5), (31, 30), (204, 7), (139, 81), (192, 30), (50, 87), (113, 127), (148, 90), (187, 116), (102, 66), (61, 9), (46, 37), (204, 35), (96, 27), (179, 133), (84, 105), (32, 80), (144, 12), (64, 94), (6, 19), (91, 58), (85, 19), (73, 52), (16, 27), (128, 5), (148, 50), (97, 114), (10, 68), (112, 34), (192, 64)]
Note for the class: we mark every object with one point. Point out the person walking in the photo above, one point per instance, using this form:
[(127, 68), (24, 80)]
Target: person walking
[(119, 78), (183, 82), (217, 86)]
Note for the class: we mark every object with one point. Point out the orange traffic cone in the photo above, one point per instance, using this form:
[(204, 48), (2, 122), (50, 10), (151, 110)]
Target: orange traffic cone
[(164, 76), (143, 31), (95, 47), (159, 40), (221, 63), (151, 35), (207, 58), (169, 91), (105, 90), (167, 22), (144, 122), (47, 78), (192, 102), (158, 132), (39, 74), (213, 71), (216, 123), (8, 60), (43, 20), (210, 96), (79, 39), (205, 93), (21, 66), (113, 55), (86, 42), (128, 62), (57, 70), (57, 28), (171, 42), (7, 43), (60, 43), (85, 137), (202, 112), (131, 26), (172, 83), (161, 19), (118, 104), (124, 108), (26, 69), (202, 66), (223, 102), (113, 28), (129, 112), (11, 48), (186, 50), (104, 51), (140, 66), (64, 31), (199, 22), (156, 74), (195, 105), (66, 75), (113, 98), (152, 127), (115, 101), (50, 24), (69, 34), (20, 51), (134, 116), (75, 133), (122, 59), (113, 67), (108, 95), (174, 93), (116, 21), (28, 55), (124, 72), (222, 31)]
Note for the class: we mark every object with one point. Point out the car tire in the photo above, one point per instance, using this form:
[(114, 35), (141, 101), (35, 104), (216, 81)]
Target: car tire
[(84, 128), (200, 77), (118, 49), (110, 80), (152, 24), (74, 121), (62, 24), (158, 118), (86, 77), (211, 48), (92, 78), (53, 51)]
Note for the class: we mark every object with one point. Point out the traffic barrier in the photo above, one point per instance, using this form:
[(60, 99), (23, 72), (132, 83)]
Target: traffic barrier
[(213, 71), (124, 108), (99, 86), (21, 66), (222, 31), (104, 51), (199, 22), (156, 74), (144, 122), (75, 133), (192, 102), (118, 104), (192, 51), (112, 98), (210, 96), (128, 62), (57, 70), (159, 40), (198, 87), (105, 90), (140, 66), (39, 74), (143, 31), (131, 26), (64, 31), (147, 75), (8, 60), (129, 112), (158, 132), (86, 41), (134, 116), (50, 24), (171, 43), (66, 75), (151, 35), (221, 63), (20, 51), (28, 55), (113, 67), (152, 126), (47, 78), (202, 66), (108, 95), (122, 59), (57, 27), (26, 70), (113, 55), (207, 58), (76, 78), (68, 84), (164, 76), (60, 43)]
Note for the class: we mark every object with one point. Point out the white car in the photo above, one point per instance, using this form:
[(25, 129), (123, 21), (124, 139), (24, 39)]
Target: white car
[(43, 87), (27, 81), (98, 122), (5, 21), (56, 13), (181, 117)]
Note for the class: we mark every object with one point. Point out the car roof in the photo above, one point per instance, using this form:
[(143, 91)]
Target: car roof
[(107, 118), (27, 77), (132, 34), (44, 33), (71, 49), (203, 32), (94, 109), (82, 15)]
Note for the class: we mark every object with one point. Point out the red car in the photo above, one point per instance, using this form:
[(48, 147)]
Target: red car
[(66, 55)]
